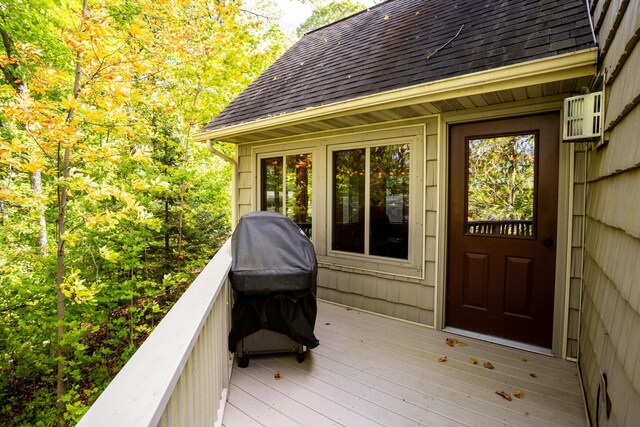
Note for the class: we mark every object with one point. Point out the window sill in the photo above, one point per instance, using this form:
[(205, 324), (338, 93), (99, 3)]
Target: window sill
[(403, 270)]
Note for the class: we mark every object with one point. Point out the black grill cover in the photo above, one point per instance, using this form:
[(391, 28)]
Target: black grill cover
[(273, 276)]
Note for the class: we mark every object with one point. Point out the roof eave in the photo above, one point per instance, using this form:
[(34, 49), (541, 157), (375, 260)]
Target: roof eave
[(556, 68)]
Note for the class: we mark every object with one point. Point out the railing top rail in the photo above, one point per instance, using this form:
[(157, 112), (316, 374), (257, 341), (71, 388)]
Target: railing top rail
[(501, 221), (138, 395)]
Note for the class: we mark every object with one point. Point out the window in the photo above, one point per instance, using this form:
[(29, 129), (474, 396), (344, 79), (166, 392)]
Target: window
[(371, 201), (286, 187), (501, 185)]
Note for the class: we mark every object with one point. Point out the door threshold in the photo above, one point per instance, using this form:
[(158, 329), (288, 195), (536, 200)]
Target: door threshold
[(497, 340)]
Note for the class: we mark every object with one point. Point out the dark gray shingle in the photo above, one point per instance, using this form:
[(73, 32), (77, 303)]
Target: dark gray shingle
[(366, 54)]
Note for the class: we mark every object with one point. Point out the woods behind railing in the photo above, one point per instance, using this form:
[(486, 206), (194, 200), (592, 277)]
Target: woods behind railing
[(506, 227), (180, 375)]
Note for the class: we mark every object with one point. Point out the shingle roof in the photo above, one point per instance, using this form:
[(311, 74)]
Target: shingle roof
[(391, 46)]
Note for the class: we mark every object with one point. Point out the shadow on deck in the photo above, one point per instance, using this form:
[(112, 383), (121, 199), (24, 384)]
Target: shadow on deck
[(372, 370)]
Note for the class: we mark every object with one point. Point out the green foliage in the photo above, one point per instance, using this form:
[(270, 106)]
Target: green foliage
[(324, 14), (147, 208), (501, 178)]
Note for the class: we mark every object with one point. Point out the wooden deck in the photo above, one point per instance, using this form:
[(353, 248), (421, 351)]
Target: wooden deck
[(371, 370)]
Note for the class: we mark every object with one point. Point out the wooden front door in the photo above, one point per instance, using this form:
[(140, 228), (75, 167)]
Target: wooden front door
[(503, 199)]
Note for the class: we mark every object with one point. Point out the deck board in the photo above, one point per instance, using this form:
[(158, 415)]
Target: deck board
[(372, 370)]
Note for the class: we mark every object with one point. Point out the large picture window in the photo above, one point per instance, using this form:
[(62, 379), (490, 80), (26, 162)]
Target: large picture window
[(286, 187), (371, 201)]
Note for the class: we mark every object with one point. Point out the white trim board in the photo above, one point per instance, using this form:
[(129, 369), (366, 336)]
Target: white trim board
[(498, 340)]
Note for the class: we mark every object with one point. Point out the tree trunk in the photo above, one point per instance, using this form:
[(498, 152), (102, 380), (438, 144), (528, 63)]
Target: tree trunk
[(36, 189), (63, 194), (12, 75), (181, 212), (62, 205), (3, 210)]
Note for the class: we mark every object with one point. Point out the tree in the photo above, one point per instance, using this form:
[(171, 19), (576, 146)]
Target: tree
[(324, 14), (501, 178), (116, 91)]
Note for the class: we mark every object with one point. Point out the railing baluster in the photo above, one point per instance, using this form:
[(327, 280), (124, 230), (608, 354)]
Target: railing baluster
[(506, 227)]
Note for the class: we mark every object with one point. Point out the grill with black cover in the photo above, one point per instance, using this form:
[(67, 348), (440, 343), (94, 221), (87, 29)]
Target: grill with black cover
[(273, 276)]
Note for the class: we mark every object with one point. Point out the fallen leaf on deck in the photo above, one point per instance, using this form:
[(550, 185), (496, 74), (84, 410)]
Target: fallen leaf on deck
[(386, 17), (518, 394), (442, 359), (327, 323), (473, 361), (532, 375), (524, 359), (349, 308), (277, 376), (488, 365), (453, 341), (504, 394)]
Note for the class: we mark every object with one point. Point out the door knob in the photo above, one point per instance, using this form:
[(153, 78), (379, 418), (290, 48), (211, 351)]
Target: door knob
[(548, 243)]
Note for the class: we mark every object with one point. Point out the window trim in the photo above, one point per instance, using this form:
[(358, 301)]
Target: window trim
[(415, 242)]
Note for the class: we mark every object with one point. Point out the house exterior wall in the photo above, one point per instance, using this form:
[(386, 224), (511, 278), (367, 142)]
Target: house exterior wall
[(404, 292), (420, 298), (576, 249), (610, 321)]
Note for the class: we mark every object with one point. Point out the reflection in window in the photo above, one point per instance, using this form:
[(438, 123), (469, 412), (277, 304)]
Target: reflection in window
[(271, 179), (500, 185), (387, 222), (348, 203), (389, 201), (291, 193), (299, 190)]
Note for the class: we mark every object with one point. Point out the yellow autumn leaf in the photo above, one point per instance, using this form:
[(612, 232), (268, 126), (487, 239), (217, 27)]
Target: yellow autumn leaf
[(386, 17), (93, 220), (7, 194), (74, 288), (139, 185), (69, 103), (518, 394), (473, 361), (109, 255), (442, 359), (33, 166)]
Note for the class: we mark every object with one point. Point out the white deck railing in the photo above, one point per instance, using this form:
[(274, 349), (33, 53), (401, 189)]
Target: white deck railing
[(180, 375)]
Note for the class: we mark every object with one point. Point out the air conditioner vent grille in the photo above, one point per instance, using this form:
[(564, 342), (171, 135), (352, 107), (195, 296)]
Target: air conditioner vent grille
[(583, 117)]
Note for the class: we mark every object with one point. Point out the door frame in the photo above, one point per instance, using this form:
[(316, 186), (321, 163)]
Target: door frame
[(564, 214)]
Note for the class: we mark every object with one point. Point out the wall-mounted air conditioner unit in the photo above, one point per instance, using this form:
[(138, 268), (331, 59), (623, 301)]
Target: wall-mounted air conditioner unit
[(583, 117)]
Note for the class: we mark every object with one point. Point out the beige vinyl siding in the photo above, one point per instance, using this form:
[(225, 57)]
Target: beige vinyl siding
[(245, 180), (575, 272), (610, 322)]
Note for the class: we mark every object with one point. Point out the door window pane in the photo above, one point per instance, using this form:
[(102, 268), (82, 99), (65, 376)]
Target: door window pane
[(271, 179), (500, 185), (389, 201), (348, 203)]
